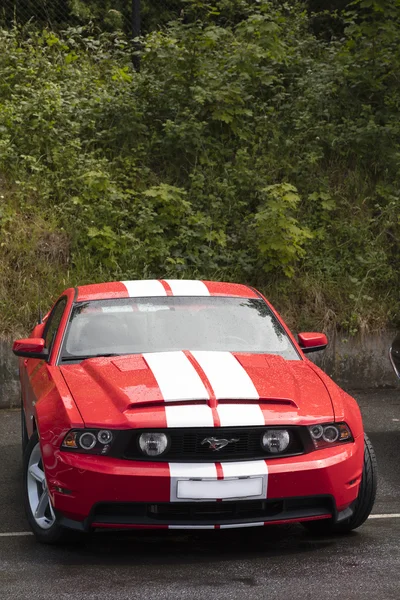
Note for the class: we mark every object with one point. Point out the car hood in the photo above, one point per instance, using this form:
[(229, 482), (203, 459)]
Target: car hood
[(170, 389)]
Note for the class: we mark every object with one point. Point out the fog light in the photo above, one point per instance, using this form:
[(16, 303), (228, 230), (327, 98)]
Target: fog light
[(276, 440), (153, 444), (87, 441)]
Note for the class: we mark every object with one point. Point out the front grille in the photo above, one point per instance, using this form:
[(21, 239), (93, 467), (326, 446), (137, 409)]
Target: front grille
[(243, 511), (187, 444)]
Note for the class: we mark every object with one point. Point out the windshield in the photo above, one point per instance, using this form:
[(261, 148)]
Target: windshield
[(139, 325)]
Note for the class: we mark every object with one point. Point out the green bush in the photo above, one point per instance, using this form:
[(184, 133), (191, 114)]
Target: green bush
[(246, 148)]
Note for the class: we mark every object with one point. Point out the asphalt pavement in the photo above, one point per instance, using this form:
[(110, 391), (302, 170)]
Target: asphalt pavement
[(280, 562)]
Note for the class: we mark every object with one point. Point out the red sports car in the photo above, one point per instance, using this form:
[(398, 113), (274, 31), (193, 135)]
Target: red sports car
[(184, 405)]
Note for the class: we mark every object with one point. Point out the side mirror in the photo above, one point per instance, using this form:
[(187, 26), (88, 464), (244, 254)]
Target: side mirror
[(312, 342), (394, 355), (30, 348)]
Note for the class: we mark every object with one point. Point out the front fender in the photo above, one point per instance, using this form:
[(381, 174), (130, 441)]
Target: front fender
[(345, 407)]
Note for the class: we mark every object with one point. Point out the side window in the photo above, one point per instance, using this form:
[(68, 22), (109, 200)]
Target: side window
[(53, 322)]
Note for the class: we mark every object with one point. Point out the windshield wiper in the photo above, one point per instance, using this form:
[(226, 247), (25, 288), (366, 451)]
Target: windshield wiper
[(83, 357)]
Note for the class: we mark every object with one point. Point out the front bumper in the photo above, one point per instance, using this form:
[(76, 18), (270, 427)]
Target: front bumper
[(203, 515), (102, 492)]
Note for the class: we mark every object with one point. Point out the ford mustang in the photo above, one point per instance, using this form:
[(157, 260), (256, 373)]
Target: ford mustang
[(176, 404)]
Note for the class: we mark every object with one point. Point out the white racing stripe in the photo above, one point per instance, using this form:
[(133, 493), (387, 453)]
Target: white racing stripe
[(251, 468), (227, 376), (195, 415), (191, 526), (193, 470), (143, 288), (231, 415), (176, 376), (260, 524), (186, 471), (187, 287), (248, 468)]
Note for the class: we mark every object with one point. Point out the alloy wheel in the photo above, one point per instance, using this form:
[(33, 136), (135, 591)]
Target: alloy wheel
[(39, 500)]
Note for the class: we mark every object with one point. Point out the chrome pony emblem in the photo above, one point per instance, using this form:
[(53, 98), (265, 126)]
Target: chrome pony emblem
[(216, 444)]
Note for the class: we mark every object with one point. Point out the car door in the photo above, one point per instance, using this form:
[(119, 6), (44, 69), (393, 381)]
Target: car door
[(395, 355), (33, 371)]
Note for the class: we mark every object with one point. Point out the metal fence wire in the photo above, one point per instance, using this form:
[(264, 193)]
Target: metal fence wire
[(132, 16)]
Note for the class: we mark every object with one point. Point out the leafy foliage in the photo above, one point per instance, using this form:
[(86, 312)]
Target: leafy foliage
[(247, 148)]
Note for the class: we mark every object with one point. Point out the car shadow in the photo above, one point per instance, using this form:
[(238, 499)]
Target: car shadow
[(172, 548)]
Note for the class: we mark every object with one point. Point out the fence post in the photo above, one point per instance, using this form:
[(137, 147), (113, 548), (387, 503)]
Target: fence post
[(136, 31)]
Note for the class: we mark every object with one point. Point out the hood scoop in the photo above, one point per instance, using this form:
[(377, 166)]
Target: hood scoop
[(125, 364), (214, 403), (265, 401)]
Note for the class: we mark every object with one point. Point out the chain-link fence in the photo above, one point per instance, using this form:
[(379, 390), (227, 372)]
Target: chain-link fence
[(132, 16)]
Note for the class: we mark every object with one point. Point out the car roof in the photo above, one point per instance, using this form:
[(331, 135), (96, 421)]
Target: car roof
[(143, 288)]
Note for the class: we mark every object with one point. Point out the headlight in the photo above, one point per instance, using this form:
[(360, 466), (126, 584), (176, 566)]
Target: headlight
[(330, 434), (91, 441), (153, 444), (276, 440), (87, 441), (104, 436)]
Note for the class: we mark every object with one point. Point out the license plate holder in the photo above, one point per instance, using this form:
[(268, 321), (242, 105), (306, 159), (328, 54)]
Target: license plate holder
[(221, 489)]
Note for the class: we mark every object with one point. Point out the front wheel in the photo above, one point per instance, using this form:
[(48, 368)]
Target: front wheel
[(364, 503), (38, 508)]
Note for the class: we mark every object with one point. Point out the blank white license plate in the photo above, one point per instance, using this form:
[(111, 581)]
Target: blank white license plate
[(207, 489)]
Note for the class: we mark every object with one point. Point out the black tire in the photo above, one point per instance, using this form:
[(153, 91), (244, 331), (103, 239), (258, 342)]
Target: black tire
[(24, 432), (364, 503), (55, 534)]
